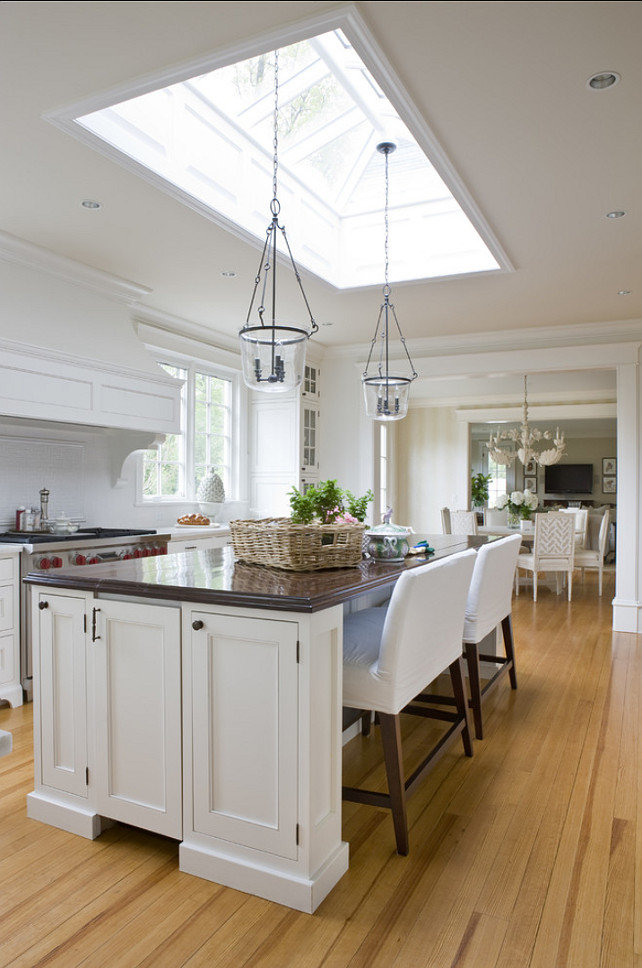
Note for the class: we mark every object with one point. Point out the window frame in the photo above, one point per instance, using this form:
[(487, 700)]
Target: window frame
[(193, 365)]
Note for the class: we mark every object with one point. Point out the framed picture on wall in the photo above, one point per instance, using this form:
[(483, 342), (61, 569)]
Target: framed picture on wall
[(530, 470), (609, 466), (608, 485), (531, 484)]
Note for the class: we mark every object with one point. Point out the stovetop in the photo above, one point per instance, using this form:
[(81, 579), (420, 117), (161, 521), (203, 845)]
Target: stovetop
[(43, 537)]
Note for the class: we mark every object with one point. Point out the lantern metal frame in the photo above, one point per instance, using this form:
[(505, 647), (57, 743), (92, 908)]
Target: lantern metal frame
[(269, 350), (386, 393)]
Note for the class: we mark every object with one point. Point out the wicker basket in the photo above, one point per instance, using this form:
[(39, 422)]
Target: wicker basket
[(297, 547)]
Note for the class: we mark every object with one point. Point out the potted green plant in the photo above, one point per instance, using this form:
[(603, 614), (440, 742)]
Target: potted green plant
[(326, 503), (479, 489)]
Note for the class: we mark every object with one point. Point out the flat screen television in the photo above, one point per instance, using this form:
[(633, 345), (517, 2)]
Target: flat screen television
[(568, 479)]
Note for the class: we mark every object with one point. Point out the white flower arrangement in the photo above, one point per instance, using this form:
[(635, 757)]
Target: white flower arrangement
[(519, 503)]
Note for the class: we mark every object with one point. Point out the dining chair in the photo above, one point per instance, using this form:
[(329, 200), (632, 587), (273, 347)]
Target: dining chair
[(495, 517), (489, 605), (553, 550), (392, 654), (463, 522), (580, 516), (593, 558)]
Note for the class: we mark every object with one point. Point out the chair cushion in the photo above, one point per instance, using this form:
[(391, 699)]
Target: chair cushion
[(362, 637)]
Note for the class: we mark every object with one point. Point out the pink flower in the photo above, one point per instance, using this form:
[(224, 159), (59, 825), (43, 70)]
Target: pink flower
[(346, 518)]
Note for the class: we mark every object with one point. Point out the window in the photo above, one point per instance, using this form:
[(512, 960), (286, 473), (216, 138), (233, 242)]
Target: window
[(381, 472), (207, 139), (175, 470), (497, 483)]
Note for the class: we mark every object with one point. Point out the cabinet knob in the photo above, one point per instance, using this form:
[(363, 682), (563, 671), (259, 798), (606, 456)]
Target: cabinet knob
[(197, 625), (42, 605)]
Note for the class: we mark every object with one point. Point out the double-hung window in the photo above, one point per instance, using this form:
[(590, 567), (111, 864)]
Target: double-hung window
[(174, 471)]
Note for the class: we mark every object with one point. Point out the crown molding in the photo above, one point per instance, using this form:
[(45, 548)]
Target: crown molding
[(510, 340), (46, 355), (21, 252)]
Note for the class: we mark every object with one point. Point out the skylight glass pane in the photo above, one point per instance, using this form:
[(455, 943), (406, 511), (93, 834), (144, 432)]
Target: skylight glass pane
[(212, 138)]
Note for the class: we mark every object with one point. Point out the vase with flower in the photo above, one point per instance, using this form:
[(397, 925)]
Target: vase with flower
[(519, 506)]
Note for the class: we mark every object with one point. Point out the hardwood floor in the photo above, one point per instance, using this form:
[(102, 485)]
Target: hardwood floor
[(525, 855)]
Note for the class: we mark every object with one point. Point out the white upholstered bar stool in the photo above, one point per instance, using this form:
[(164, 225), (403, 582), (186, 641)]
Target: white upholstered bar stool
[(392, 654), (489, 605), (553, 550), (594, 558)]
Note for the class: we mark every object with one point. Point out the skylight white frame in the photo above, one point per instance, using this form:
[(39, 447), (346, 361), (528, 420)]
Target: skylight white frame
[(351, 23)]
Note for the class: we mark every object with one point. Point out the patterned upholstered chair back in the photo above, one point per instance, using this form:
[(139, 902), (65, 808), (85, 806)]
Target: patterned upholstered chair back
[(554, 535)]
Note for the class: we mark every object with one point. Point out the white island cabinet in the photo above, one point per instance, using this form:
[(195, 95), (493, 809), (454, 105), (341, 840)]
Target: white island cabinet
[(219, 726), (107, 714)]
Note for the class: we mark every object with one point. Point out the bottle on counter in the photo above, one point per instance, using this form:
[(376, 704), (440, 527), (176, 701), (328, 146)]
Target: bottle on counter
[(20, 518)]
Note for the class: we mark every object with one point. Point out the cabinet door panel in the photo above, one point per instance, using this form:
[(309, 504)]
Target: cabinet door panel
[(244, 693), (7, 617), (7, 652), (63, 692), (138, 715)]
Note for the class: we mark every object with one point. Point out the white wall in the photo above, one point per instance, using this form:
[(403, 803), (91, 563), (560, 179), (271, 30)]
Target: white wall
[(433, 467), (347, 437), (83, 469)]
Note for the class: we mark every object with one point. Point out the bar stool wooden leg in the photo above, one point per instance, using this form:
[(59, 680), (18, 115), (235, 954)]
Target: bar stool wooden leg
[(461, 702), (474, 679), (391, 740), (509, 645)]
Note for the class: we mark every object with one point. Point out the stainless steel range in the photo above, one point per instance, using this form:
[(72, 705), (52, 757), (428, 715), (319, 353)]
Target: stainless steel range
[(86, 547)]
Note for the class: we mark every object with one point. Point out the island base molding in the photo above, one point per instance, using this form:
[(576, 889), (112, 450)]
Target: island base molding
[(78, 820), (291, 889)]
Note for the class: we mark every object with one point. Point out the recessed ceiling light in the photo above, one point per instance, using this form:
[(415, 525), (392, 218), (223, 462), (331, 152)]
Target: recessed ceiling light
[(228, 274), (603, 80), (90, 203), (624, 292), (615, 214)]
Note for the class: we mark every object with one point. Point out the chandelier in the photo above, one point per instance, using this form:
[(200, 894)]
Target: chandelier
[(524, 438), (386, 395), (273, 353)]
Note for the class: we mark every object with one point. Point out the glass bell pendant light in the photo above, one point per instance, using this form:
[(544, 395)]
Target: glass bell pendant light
[(273, 353), (386, 393)]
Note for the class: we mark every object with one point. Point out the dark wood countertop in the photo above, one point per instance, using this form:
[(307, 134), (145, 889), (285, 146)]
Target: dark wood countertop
[(213, 577)]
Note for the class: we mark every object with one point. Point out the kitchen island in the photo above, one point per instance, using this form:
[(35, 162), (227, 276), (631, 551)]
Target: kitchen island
[(200, 698)]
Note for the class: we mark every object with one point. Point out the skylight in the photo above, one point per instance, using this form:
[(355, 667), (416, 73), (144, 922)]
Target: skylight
[(211, 139)]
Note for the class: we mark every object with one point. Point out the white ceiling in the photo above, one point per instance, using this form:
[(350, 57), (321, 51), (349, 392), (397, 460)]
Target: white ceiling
[(501, 85)]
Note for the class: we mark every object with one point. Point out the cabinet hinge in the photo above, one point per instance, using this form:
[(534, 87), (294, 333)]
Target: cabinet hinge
[(297, 835)]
